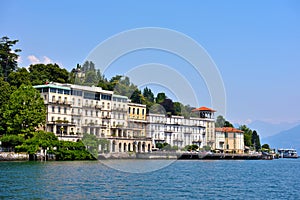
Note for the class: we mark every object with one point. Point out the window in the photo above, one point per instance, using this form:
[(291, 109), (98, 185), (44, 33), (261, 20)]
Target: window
[(65, 110), (53, 90), (58, 109), (137, 111), (105, 97), (79, 102), (73, 101), (72, 111), (76, 92), (133, 110), (96, 113), (86, 112), (53, 98), (91, 113), (53, 109), (52, 119), (108, 105), (60, 91), (65, 99), (129, 109), (143, 111)]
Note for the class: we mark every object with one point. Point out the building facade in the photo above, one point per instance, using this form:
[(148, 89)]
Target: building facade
[(73, 110), (176, 130), (207, 116), (229, 140)]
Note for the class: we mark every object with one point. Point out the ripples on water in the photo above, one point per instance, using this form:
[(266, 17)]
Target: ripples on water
[(276, 179)]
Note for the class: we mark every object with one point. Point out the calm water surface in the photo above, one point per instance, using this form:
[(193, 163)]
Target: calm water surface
[(276, 179)]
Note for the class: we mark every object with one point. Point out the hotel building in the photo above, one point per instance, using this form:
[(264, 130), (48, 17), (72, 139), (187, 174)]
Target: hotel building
[(73, 110), (176, 130)]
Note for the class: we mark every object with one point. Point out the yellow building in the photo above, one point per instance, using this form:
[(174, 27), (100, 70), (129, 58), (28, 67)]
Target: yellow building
[(137, 120), (229, 140)]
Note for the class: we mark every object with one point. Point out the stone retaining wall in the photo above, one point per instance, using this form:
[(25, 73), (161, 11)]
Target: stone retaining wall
[(12, 156)]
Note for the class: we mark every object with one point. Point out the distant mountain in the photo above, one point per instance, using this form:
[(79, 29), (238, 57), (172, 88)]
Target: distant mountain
[(285, 139), (266, 129)]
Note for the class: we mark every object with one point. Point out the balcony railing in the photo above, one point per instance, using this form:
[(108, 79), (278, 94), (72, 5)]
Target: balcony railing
[(61, 102)]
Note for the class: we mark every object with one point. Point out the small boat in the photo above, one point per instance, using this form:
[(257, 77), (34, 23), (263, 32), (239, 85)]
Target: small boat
[(287, 153)]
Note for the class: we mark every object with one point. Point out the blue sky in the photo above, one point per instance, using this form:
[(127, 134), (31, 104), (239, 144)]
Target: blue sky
[(255, 44)]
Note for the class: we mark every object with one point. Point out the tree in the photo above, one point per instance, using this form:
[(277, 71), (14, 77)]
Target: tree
[(136, 96), (21, 76), (148, 94), (265, 146), (220, 121), (5, 93), (228, 124), (25, 111), (247, 135), (168, 105), (160, 97), (39, 140), (255, 140), (8, 56), (11, 141), (41, 73), (178, 108)]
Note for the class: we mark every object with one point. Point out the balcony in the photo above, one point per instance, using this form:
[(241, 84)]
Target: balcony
[(61, 102), (61, 123)]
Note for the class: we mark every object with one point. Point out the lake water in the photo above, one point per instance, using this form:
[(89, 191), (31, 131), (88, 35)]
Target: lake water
[(191, 179)]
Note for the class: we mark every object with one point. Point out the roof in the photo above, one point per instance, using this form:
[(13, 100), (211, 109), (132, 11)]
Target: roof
[(51, 86), (229, 130), (203, 109)]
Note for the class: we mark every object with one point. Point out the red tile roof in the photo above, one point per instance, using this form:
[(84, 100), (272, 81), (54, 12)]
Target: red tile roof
[(203, 109), (228, 130)]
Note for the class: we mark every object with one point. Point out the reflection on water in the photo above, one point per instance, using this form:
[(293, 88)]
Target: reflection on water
[(137, 166), (277, 179)]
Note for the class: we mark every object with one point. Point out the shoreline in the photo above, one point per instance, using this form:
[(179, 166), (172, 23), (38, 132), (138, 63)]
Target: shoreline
[(11, 156)]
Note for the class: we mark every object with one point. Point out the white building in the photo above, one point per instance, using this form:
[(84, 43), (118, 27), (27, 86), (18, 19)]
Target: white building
[(73, 110), (176, 130)]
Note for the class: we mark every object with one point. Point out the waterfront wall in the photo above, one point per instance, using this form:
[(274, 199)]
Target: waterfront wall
[(11, 156)]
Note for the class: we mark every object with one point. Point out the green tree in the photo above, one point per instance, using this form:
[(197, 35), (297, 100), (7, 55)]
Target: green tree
[(91, 143), (41, 73), (5, 93), (38, 140), (11, 141), (148, 94), (21, 76), (136, 96), (228, 124), (169, 106), (220, 121), (247, 135), (160, 97), (265, 146), (178, 108), (25, 111), (255, 141), (8, 56)]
